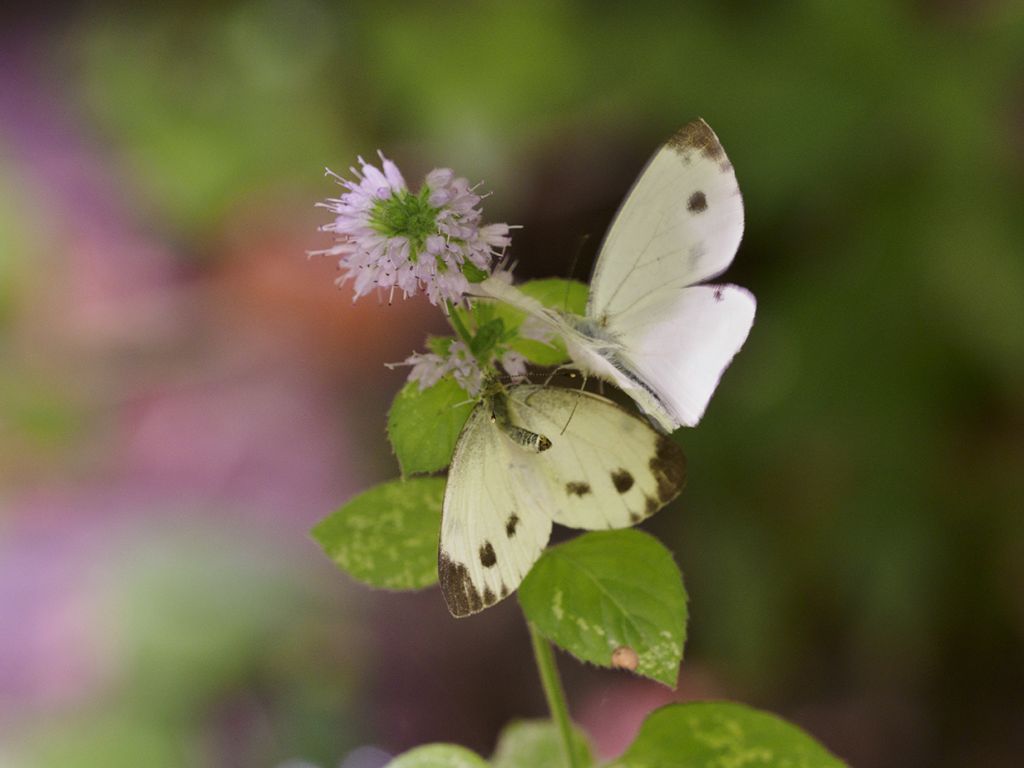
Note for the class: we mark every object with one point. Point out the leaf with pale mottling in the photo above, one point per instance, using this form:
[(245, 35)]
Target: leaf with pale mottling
[(386, 537), (423, 425), (438, 756), (537, 743), (718, 734), (608, 589)]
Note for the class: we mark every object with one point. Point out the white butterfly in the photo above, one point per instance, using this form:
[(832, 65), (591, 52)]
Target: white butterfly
[(650, 328), (529, 456)]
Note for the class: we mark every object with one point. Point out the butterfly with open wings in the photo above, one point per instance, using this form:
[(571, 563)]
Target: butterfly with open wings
[(652, 327)]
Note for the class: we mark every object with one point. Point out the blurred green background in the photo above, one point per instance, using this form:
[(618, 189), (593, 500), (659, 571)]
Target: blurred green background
[(182, 392)]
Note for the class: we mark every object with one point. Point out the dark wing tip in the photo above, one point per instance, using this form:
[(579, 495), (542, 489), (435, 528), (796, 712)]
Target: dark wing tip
[(460, 594), (668, 465), (461, 597), (697, 136)]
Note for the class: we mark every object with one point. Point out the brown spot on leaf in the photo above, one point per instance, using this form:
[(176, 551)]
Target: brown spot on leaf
[(669, 469), (622, 480), (577, 489), (698, 203), (459, 593), (510, 525), (487, 556), (625, 657)]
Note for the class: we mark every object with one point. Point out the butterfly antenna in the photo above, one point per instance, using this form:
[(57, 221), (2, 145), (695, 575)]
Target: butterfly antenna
[(583, 386), (572, 268), (555, 372), (572, 412)]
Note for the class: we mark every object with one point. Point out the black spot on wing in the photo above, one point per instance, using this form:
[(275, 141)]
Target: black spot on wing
[(489, 598), (622, 480), (457, 587), (487, 556), (635, 517), (718, 294), (698, 203), (510, 525), (668, 466), (651, 505), (577, 489)]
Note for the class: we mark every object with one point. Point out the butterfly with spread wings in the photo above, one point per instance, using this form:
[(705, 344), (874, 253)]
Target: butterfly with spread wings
[(652, 327), (532, 455)]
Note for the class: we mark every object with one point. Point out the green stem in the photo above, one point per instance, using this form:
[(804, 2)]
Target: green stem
[(554, 693), (457, 324)]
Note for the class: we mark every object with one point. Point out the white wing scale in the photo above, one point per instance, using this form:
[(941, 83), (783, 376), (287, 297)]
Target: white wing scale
[(676, 353)]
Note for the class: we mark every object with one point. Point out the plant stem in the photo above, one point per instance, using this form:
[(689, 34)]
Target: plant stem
[(554, 693), (457, 324)]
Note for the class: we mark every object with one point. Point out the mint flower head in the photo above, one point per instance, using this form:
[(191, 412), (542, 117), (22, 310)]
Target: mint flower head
[(389, 239)]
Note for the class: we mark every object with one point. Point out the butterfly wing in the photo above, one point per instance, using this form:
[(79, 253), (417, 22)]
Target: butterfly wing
[(674, 354), (671, 340), (680, 224), (606, 468), (495, 520)]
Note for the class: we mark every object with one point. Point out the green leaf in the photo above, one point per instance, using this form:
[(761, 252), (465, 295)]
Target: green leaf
[(439, 345), (387, 536), (536, 743), (438, 756), (473, 273), (564, 295), (424, 425), (607, 590), (485, 339), (540, 353), (716, 733)]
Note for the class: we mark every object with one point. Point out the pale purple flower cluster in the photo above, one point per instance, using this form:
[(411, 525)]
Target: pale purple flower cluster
[(391, 239), (429, 367)]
